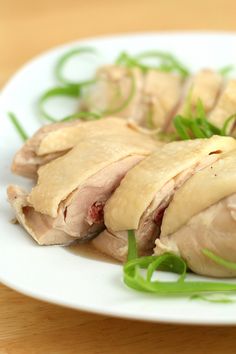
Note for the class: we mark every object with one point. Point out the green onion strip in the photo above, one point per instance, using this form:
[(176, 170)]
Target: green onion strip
[(69, 91), (61, 63), (198, 127), (166, 262), (165, 62), (126, 102), (215, 298), (217, 259), (20, 130)]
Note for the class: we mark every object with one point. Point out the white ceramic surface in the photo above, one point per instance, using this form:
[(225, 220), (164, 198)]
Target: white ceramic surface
[(56, 274)]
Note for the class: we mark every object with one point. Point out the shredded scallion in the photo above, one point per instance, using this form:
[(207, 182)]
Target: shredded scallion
[(18, 126), (166, 262), (69, 91), (219, 260), (62, 61)]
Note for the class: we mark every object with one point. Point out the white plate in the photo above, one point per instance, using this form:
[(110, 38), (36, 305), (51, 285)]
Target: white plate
[(56, 274)]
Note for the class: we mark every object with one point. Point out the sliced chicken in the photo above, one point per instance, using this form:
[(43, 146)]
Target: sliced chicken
[(202, 215), (145, 192), (153, 96), (71, 191), (56, 139), (205, 86), (225, 107), (27, 160), (39, 226), (114, 86), (161, 95)]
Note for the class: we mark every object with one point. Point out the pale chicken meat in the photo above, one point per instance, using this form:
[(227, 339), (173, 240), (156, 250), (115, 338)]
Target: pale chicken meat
[(202, 215), (161, 95), (225, 106), (116, 89), (205, 86), (67, 202), (27, 160), (152, 97), (54, 140), (147, 189)]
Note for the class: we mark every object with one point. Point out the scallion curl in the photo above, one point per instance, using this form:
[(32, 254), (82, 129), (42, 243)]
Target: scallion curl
[(166, 262), (63, 60)]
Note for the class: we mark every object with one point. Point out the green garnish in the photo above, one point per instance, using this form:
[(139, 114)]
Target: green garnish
[(217, 259), (182, 127), (69, 91), (126, 60), (60, 65), (132, 249), (197, 126), (226, 70), (164, 62), (227, 123), (166, 262), (18, 126), (215, 298)]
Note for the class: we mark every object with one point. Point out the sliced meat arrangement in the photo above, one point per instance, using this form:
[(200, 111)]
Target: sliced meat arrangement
[(116, 89), (147, 189), (202, 215), (153, 97), (67, 202), (54, 140)]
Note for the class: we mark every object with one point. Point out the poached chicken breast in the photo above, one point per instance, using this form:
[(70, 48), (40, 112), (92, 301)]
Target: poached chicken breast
[(72, 190), (56, 139), (147, 189), (202, 215), (154, 96)]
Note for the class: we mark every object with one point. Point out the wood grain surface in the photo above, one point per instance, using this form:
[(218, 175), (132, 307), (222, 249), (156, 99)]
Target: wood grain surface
[(28, 326)]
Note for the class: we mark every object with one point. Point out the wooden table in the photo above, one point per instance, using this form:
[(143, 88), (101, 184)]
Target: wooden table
[(27, 28)]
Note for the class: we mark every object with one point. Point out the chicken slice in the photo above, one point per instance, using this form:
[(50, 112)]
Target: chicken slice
[(161, 95), (192, 223), (54, 140), (213, 183), (213, 228), (154, 98), (114, 85), (225, 107), (145, 192), (37, 225), (27, 160), (204, 86), (72, 190)]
